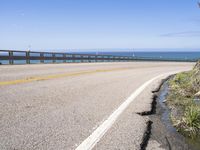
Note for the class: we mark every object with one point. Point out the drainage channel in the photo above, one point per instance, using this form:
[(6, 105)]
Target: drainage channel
[(162, 129)]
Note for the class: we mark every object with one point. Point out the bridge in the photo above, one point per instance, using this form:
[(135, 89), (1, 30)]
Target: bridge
[(79, 105)]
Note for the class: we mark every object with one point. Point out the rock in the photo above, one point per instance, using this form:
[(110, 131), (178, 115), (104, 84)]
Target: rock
[(164, 101), (197, 94)]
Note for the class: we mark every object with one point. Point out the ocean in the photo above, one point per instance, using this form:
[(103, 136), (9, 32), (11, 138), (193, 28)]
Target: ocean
[(164, 55)]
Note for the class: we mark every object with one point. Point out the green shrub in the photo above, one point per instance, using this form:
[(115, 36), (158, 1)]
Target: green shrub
[(190, 122)]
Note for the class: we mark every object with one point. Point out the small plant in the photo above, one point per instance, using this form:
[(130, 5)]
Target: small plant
[(181, 78), (190, 122)]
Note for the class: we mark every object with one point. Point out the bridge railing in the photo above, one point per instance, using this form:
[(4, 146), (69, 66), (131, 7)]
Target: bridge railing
[(33, 57)]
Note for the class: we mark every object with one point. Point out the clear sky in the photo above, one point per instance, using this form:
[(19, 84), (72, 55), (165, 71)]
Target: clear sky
[(86, 24)]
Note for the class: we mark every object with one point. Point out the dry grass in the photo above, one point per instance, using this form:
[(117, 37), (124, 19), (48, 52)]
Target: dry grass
[(183, 87)]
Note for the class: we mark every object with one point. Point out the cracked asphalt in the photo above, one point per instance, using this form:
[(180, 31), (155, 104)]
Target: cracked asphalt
[(61, 112)]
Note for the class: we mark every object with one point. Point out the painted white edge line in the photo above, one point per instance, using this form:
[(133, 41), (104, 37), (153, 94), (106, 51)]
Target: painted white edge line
[(92, 140)]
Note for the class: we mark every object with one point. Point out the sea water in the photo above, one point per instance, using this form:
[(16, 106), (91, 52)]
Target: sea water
[(160, 55)]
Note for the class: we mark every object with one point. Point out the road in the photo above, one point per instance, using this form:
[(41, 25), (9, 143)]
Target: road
[(58, 106)]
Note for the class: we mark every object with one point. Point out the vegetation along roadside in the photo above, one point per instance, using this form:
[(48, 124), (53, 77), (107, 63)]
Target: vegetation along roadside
[(184, 102)]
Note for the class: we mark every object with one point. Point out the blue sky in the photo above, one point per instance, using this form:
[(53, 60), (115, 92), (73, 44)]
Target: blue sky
[(87, 24)]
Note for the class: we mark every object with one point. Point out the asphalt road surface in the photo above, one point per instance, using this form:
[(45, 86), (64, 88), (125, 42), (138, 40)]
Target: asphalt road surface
[(58, 106)]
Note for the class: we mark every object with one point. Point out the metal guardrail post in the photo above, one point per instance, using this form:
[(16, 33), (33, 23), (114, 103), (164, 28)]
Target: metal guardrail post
[(28, 57), (54, 57), (11, 62), (41, 57), (81, 59), (96, 58), (64, 58), (73, 58)]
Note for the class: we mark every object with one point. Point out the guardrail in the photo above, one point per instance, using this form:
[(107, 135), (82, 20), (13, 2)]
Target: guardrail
[(32, 57)]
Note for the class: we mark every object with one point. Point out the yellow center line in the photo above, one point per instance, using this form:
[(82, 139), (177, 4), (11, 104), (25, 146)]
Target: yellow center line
[(48, 77)]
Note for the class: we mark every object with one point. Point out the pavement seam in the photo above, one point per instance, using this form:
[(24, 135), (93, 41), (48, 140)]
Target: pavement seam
[(154, 93), (147, 133)]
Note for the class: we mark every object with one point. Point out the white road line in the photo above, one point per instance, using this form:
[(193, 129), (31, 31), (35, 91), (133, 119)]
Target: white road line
[(92, 140)]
